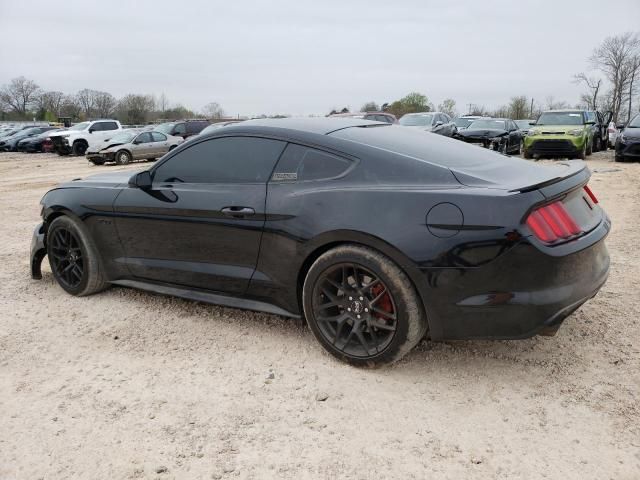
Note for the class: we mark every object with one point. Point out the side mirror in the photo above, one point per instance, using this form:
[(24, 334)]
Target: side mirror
[(141, 180), (438, 124)]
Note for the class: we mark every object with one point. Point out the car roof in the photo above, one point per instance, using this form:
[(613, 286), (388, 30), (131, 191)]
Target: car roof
[(317, 125)]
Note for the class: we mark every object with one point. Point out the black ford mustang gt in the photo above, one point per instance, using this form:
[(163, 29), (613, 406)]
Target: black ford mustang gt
[(377, 234)]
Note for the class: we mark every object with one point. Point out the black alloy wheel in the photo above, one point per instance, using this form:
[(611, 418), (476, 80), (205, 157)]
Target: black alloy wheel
[(67, 259), (362, 307), (355, 310)]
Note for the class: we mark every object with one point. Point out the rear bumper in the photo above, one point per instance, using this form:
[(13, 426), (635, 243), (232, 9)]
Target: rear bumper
[(38, 251), (522, 293)]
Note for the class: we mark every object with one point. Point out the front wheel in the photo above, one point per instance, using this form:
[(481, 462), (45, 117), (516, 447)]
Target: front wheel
[(123, 157), (361, 306), (79, 148), (73, 257)]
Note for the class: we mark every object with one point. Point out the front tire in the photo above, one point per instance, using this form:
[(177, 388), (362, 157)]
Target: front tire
[(79, 148), (361, 306), (123, 157), (73, 257)]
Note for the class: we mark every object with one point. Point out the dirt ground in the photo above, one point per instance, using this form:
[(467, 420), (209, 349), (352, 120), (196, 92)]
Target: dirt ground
[(127, 384)]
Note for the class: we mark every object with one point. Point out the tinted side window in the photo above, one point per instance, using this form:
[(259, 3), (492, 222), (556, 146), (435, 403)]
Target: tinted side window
[(179, 129), (144, 137), (96, 127), (104, 126), (158, 137), (223, 160), (195, 127), (304, 163)]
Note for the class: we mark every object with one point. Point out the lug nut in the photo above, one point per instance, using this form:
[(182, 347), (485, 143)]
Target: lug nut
[(358, 316), (349, 309), (366, 309), (361, 298), (350, 298)]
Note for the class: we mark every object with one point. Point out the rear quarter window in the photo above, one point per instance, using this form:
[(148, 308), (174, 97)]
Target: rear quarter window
[(300, 163)]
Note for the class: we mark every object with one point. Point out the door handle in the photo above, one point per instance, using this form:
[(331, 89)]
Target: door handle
[(238, 212)]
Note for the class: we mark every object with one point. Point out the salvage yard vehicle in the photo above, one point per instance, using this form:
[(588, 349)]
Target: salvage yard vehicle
[(628, 141), (600, 140), (524, 125), (182, 128), (131, 145), (464, 121), (560, 133), (35, 143), (276, 216), (434, 122), (10, 144), (499, 134), (82, 136)]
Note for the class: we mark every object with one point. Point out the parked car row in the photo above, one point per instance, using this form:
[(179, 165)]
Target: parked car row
[(132, 144), (627, 143)]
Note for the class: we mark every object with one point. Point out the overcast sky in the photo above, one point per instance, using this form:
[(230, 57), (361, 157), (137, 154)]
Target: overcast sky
[(304, 57)]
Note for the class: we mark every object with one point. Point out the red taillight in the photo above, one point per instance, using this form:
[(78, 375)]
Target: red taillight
[(552, 223), (590, 193)]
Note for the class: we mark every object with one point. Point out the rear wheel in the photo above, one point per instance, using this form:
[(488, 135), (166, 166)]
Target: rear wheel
[(73, 257), (597, 144), (123, 157), (361, 306)]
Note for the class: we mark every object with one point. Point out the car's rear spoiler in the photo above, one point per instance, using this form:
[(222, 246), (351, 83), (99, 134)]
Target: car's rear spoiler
[(573, 168)]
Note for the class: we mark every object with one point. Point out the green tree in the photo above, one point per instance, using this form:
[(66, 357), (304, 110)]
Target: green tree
[(411, 103)]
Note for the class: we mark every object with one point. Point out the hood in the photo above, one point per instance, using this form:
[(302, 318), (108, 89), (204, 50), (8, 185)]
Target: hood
[(111, 145), (103, 180), (483, 132), (556, 128), (631, 133)]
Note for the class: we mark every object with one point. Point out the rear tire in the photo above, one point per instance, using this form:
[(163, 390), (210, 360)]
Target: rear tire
[(597, 145), (377, 313), (74, 258)]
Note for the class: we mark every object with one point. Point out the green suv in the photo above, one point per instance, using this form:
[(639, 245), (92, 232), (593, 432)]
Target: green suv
[(560, 133)]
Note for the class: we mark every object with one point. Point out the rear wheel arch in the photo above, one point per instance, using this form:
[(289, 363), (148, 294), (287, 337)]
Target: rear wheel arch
[(331, 240)]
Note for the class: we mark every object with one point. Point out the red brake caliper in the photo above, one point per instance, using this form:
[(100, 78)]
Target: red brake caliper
[(384, 303)]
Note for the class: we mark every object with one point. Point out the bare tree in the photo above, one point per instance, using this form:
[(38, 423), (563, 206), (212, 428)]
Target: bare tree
[(448, 106), (163, 103), (50, 102), (593, 84), (135, 109), (518, 107), (104, 104), (613, 59), (633, 70), (552, 104), (87, 99), (213, 110), (19, 94), (70, 107)]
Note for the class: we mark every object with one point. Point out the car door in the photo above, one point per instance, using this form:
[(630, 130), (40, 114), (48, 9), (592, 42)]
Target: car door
[(514, 136), (180, 130), (160, 144), (142, 146), (200, 224)]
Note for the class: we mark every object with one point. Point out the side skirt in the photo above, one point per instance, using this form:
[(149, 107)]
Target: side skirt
[(206, 297)]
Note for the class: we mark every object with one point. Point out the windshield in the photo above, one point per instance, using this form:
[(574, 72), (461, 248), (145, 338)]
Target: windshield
[(490, 124), (560, 118), (635, 122), (79, 126), (164, 128), (416, 120), (125, 137), (523, 124), (463, 122)]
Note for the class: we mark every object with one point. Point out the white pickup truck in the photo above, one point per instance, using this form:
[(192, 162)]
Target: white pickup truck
[(78, 138)]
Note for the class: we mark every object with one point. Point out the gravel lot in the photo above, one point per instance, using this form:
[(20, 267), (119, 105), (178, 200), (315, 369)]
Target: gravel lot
[(127, 384)]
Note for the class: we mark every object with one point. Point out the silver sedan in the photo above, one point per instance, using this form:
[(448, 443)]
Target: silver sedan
[(131, 145)]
